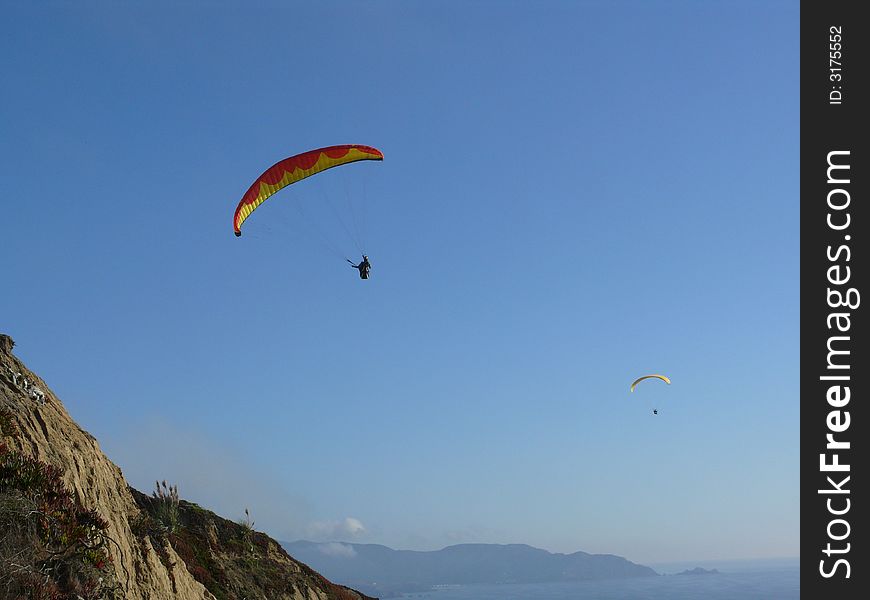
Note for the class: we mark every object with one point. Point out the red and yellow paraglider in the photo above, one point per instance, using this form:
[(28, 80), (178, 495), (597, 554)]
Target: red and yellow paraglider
[(293, 169)]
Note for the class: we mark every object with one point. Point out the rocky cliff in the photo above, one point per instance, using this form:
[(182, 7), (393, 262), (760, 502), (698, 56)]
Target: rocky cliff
[(198, 555)]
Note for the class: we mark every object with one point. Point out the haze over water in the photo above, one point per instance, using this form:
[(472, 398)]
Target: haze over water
[(770, 583)]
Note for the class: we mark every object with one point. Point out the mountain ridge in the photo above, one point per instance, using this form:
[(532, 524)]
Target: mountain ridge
[(381, 570)]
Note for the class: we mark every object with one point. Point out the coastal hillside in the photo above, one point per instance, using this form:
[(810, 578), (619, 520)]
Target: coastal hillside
[(71, 527), (380, 570)]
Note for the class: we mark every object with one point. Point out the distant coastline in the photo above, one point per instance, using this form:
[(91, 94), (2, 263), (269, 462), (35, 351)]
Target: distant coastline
[(381, 571)]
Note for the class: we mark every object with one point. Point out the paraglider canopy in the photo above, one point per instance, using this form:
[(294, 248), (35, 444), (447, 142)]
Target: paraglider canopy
[(293, 169), (639, 379), (654, 376)]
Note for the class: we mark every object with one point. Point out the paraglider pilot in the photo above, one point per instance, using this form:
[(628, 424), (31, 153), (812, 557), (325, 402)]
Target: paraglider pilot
[(364, 267)]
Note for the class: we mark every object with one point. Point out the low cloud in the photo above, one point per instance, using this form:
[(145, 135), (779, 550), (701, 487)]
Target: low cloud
[(338, 550), (334, 530)]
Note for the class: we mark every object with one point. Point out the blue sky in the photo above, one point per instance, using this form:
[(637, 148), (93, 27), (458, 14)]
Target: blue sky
[(573, 194)]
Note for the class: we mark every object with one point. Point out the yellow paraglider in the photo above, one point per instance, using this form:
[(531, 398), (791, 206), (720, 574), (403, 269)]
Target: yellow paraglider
[(639, 379)]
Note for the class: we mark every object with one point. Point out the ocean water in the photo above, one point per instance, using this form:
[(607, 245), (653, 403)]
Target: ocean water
[(782, 583)]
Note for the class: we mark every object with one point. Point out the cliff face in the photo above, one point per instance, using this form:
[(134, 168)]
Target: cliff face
[(205, 557)]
